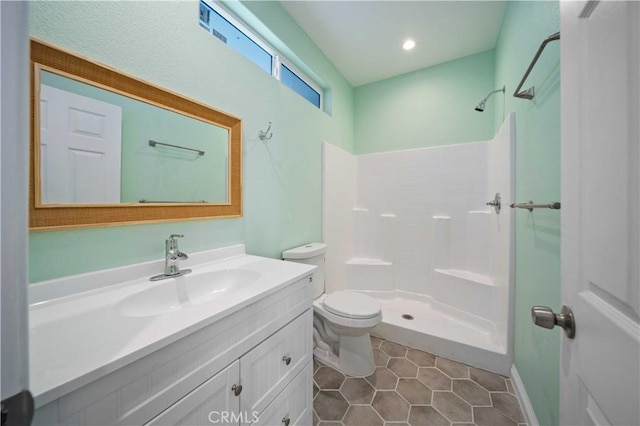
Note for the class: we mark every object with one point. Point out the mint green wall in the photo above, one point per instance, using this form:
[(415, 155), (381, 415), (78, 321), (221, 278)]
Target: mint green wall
[(161, 173), (161, 42), (537, 350), (427, 107)]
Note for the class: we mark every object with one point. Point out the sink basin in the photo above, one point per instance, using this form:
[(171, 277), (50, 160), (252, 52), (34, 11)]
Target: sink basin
[(205, 287), (163, 298), (178, 293)]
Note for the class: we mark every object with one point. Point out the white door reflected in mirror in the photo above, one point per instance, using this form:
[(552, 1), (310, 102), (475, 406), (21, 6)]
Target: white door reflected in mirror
[(80, 148)]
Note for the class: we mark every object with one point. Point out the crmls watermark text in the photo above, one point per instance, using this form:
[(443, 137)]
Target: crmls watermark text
[(222, 417)]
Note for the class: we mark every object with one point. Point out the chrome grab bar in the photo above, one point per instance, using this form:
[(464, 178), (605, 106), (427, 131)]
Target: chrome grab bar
[(154, 143), (530, 206), (143, 201)]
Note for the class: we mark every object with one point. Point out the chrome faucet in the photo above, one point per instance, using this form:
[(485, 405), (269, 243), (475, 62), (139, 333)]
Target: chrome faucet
[(172, 257)]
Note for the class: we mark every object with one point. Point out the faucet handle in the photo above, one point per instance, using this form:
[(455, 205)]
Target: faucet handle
[(172, 242)]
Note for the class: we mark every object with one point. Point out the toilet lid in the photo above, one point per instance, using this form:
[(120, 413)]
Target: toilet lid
[(352, 305)]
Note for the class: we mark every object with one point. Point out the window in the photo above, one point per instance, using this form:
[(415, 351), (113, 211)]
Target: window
[(231, 35), (231, 32), (291, 79)]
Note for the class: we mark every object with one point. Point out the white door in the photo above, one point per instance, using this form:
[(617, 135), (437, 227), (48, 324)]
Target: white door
[(14, 160), (600, 367), (80, 145)]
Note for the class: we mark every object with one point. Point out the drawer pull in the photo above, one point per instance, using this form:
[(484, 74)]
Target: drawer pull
[(286, 420), (286, 359), (236, 389)]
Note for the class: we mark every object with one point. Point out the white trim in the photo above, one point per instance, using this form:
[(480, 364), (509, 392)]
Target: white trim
[(14, 181), (276, 67), (523, 398)]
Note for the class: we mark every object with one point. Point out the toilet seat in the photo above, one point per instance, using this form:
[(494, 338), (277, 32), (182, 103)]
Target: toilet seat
[(351, 305)]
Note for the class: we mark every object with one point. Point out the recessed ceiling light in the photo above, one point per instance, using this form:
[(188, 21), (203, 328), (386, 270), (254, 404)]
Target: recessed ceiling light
[(409, 44)]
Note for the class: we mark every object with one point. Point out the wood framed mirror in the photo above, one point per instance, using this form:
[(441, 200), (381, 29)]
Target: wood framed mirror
[(173, 158)]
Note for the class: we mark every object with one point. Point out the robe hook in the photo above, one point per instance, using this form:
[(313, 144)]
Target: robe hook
[(266, 135)]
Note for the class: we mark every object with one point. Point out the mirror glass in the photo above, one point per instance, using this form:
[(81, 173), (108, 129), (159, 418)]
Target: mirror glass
[(109, 148), (98, 146)]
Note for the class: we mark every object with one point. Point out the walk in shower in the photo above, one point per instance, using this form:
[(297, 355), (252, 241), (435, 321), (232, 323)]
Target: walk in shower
[(413, 229)]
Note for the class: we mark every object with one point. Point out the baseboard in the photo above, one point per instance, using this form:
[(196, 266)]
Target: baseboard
[(523, 398)]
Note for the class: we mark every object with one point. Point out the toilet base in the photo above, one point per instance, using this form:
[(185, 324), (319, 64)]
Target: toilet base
[(355, 357)]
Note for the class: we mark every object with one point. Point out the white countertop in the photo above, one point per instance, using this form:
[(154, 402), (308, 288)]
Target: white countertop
[(82, 336)]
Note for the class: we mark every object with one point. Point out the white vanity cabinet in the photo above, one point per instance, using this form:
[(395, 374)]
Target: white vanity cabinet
[(280, 365), (265, 347)]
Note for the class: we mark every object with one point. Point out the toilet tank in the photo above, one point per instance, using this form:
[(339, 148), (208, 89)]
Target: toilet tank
[(312, 254)]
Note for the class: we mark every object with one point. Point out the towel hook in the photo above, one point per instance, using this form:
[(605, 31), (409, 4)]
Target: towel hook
[(266, 135)]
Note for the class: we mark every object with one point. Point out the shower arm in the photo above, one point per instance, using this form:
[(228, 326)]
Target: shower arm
[(481, 105), (491, 93)]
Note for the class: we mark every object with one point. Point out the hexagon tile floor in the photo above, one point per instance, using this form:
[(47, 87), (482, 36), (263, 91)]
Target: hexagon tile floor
[(411, 387)]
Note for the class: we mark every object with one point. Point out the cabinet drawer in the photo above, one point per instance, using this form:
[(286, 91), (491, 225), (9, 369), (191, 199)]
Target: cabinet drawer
[(294, 403), (270, 366), (211, 402)]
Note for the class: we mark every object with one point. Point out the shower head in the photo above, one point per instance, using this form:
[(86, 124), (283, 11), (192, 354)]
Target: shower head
[(480, 106)]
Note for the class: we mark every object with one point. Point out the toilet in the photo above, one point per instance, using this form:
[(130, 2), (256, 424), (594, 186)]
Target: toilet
[(341, 320)]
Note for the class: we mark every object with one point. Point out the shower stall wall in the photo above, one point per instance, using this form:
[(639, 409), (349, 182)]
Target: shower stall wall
[(412, 229)]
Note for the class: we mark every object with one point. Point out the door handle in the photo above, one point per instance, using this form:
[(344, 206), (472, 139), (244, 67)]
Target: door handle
[(543, 316)]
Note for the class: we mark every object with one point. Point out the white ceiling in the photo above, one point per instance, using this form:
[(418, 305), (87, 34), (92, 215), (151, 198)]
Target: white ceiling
[(364, 38)]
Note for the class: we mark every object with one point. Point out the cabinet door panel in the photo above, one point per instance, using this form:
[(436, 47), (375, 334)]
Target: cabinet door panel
[(269, 367), (294, 403), (212, 402)]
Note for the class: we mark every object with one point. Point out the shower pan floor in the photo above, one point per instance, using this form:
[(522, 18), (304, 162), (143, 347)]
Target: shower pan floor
[(442, 331)]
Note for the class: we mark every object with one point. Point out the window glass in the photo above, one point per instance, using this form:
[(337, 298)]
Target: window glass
[(231, 35), (290, 79)]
